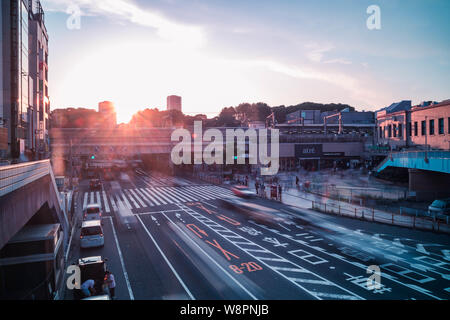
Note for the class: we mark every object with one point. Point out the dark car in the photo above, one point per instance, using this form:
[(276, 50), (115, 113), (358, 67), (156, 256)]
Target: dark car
[(95, 184)]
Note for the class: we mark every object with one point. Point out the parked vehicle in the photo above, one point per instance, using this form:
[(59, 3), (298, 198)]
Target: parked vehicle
[(92, 268), (92, 212), (91, 234), (439, 208)]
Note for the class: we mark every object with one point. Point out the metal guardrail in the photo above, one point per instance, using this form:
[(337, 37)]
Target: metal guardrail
[(16, 176)]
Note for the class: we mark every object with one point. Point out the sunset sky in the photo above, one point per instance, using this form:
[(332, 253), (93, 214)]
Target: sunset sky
[(221, 53)]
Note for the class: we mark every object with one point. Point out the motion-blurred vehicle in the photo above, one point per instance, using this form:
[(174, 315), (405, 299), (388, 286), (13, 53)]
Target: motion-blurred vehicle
[(256, 212), (439, 208), (99, 297), (242, 191), (95, 184), (93, 211), (92, 234), (92, 268)]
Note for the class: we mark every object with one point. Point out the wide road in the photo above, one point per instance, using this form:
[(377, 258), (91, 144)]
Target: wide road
[(171, 238)]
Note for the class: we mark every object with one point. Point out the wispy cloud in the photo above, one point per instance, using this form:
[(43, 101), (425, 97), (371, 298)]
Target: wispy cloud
[(129, 11)]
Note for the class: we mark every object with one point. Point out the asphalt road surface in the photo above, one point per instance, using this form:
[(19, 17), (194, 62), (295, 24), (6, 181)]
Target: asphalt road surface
[(171, 238)]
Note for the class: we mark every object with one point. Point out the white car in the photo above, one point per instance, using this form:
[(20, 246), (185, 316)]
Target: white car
[(91, 234), (92, 212)]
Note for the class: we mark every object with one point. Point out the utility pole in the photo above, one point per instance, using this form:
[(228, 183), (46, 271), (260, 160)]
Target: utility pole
[(71, 165), (426, 140)]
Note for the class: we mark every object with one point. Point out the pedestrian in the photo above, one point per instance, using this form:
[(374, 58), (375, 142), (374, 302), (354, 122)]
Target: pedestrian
[(257, 187), (279, 192), (297, 180), (263, 190), (88, 288), (110, 282)]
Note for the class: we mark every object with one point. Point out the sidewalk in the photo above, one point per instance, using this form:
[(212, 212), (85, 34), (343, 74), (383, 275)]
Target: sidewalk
[(301, 199)]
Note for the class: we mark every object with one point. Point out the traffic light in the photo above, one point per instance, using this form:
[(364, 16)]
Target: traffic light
[(93, 157)]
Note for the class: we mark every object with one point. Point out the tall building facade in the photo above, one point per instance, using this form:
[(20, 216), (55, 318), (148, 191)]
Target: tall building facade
[(22, 31), (38, 128), (108, 114), (174, 103)]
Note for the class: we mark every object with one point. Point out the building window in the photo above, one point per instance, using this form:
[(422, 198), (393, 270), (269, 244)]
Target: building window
[(424, 128), (409, 129), (395, 130), (381, 132), (389, 131), (441, 125), (416, 129), (432, 127)]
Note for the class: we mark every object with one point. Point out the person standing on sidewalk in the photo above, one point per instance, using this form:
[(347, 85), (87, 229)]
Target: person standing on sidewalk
[(279, 192)]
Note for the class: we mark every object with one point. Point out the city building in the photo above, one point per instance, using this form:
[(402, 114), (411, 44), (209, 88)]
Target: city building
[(391, 125), (328, 122), (174, 103), (430, 125), (303, 117), (24, 98), (427, 125), (38, 70), (107, 113)]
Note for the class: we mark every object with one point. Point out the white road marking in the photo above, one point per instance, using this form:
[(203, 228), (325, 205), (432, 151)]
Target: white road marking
[(105, 200), (150, 192), (356, 264), (277, 258), (213, 260), (167, 260), (138, 198), (127, 192), (146, 198), (126, 201), (85, 200), (125, 274)]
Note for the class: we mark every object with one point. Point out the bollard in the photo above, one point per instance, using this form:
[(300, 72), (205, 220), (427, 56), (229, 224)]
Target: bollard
[(339, 209), (414, 222), (392, 218), (355, 212), (362, 216), (373, 214)]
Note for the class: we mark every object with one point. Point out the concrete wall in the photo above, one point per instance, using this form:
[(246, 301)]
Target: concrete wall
[(429, 185), (18, 207)]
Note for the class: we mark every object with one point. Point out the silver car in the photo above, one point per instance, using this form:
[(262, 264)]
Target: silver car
[(91, 234), (92, 212)]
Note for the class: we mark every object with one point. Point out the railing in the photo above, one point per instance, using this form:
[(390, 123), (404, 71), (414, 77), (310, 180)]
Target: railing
[(16, 176), (371, 214)]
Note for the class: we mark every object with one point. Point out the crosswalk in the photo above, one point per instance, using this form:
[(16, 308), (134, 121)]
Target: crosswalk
[(155, 179), (137, 198)]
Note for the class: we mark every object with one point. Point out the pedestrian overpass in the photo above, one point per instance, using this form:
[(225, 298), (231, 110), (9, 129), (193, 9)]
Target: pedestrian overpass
[(25, 190), (437, 161), (429, 172)]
